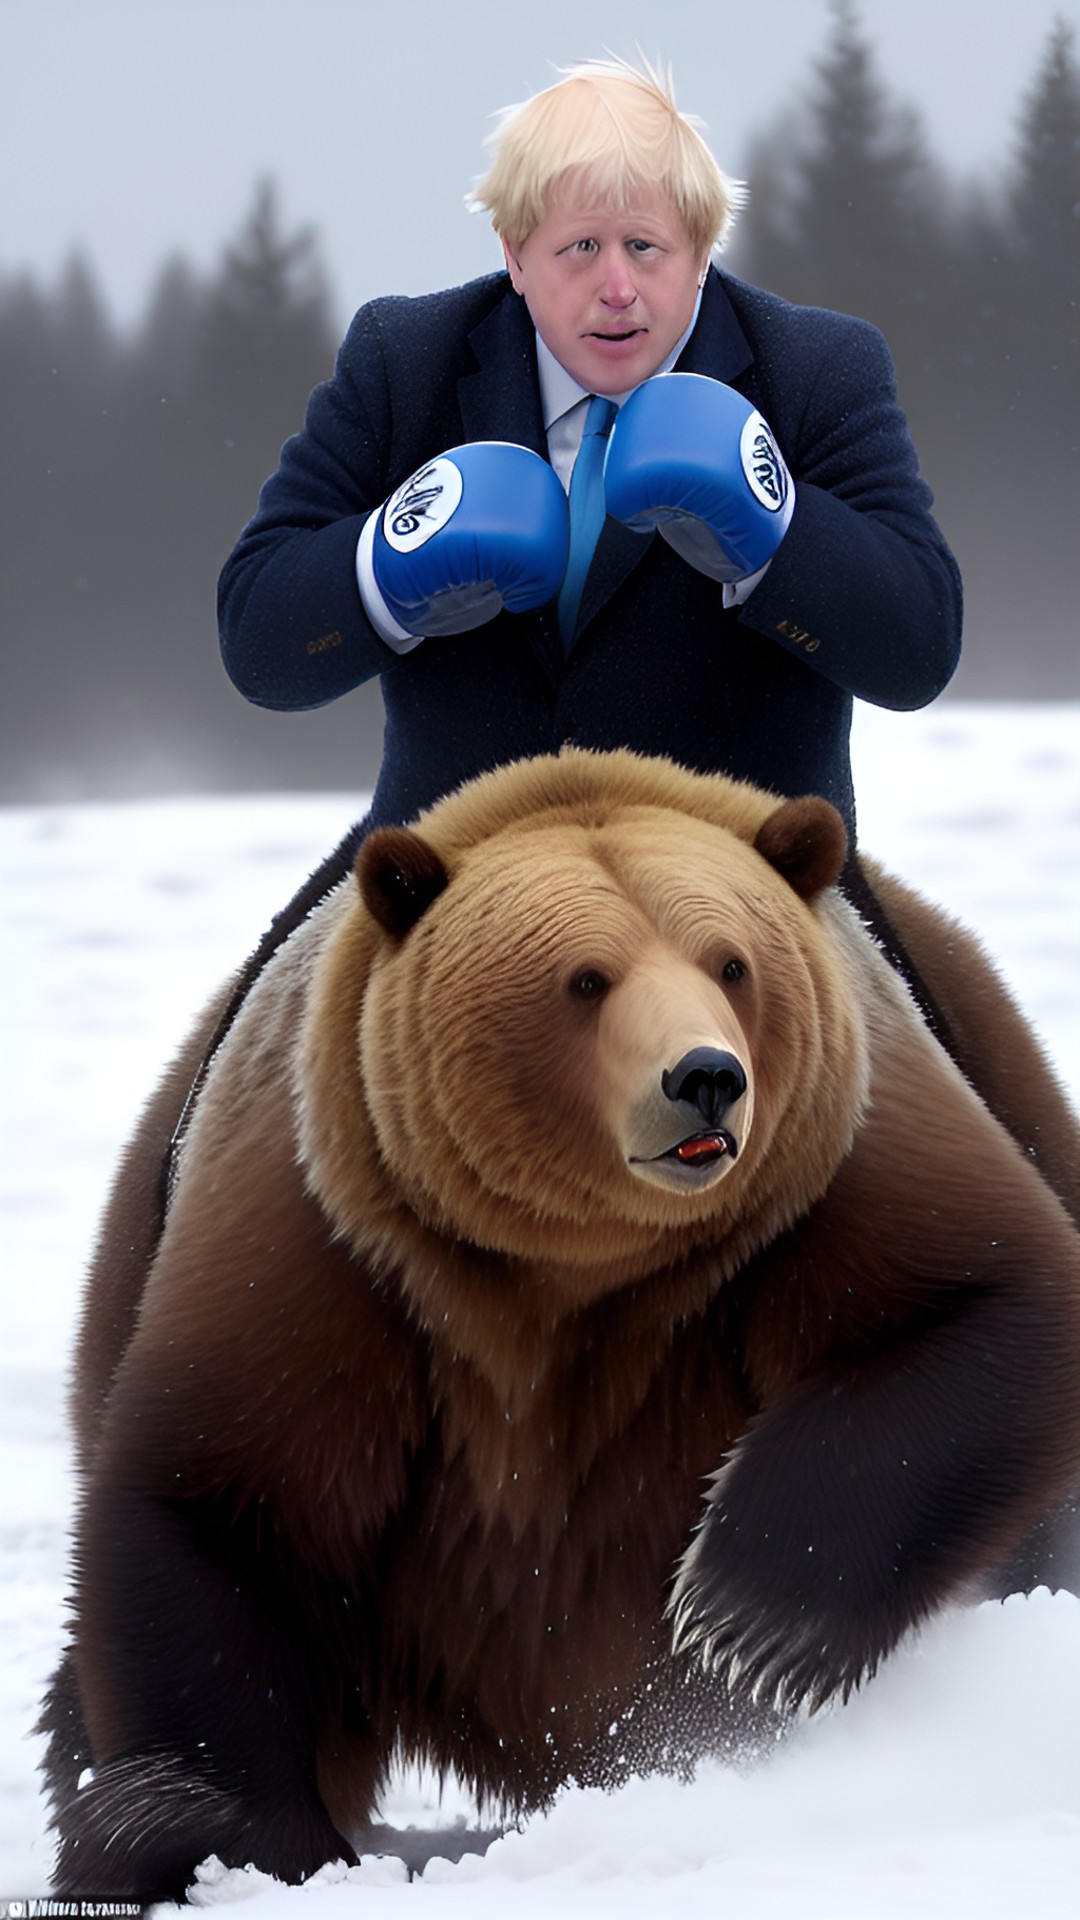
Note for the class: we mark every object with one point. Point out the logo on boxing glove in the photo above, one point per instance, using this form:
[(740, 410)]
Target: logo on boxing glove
[(766, 474), (421, 505)]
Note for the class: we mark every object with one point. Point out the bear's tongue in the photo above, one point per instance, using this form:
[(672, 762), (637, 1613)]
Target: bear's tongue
[(705, 1146)]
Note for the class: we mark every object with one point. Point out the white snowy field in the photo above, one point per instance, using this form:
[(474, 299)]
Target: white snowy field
[(950, 1790)]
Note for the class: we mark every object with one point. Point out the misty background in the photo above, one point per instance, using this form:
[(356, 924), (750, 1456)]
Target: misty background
[(134, 442)]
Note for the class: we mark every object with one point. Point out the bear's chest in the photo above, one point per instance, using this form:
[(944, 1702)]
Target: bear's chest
[(527, 1578)]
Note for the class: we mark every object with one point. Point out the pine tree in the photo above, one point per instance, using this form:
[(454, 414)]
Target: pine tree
[(1039, 365), (1046, 189), (267, 337), (165, 350), (843, 209), (225, 368), (1044, 251), (63, 434)]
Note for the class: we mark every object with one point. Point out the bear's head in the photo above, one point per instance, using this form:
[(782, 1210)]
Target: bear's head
[(591, 1014)]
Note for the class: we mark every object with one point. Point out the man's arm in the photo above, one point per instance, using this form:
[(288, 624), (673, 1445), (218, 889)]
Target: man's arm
[(863, 586)]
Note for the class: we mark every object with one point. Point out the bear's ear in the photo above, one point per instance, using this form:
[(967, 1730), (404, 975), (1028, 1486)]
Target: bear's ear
[(399, 876), (806, 841)]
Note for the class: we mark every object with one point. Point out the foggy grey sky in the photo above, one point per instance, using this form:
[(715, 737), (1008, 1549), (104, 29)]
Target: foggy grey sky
[(135, 128)]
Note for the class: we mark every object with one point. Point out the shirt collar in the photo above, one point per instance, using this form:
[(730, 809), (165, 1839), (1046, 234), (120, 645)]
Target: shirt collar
[(559, 391)]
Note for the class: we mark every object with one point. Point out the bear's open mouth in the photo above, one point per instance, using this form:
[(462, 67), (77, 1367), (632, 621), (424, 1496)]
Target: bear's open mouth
[(701, 1148)]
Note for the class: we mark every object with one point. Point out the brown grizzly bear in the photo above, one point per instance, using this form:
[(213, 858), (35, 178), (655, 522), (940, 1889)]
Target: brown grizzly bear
[(591, 1303)]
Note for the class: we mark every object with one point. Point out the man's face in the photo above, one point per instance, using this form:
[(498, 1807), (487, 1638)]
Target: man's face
[(609, 292)]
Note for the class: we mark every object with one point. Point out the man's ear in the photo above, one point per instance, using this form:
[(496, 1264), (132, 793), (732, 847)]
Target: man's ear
[(513, 264)]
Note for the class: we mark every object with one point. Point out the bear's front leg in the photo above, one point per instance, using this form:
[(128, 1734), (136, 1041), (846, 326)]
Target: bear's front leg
[(935, 1416), (201, 1696)]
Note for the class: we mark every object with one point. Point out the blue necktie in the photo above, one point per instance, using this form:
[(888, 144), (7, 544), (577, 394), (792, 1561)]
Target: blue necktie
[(586, 511)]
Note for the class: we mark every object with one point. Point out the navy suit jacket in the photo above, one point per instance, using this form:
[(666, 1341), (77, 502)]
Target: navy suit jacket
[(862, 598)]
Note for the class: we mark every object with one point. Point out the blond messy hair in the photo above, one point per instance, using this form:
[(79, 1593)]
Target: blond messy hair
[(614, 130)]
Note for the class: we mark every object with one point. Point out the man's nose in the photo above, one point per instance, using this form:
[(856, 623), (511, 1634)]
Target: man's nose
[(618, 288)]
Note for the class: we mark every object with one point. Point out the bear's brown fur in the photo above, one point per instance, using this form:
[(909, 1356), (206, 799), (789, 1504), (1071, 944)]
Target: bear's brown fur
[(585, 1149)]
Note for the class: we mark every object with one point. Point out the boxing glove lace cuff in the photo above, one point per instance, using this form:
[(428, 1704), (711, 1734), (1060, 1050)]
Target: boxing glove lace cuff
[(388, 629)]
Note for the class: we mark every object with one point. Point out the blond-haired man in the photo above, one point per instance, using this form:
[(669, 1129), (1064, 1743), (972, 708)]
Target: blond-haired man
[(764, 546)]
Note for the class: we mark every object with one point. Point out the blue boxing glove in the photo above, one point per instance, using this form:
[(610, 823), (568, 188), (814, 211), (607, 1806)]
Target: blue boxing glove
[(691, 457), (482, 527)]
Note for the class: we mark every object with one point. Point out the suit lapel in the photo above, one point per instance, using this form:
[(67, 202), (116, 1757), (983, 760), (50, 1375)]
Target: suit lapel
[(718, 346), (501, 399)]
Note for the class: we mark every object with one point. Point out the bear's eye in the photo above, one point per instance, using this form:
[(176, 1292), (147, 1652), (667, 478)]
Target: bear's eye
[(732, 971), (589, 984)]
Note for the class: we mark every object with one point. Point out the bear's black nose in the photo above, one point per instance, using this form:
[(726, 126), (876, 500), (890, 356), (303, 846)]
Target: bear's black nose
[(706, 1079)]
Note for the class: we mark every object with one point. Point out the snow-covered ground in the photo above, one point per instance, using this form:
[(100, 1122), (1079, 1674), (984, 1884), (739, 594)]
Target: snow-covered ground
[(951, 1788)]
